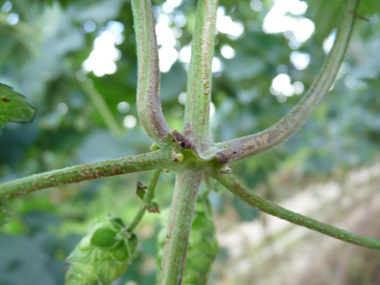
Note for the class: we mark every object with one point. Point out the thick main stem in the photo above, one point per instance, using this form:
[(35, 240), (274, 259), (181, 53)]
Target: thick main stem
[(180, 221), (197, 110), (148, 85)]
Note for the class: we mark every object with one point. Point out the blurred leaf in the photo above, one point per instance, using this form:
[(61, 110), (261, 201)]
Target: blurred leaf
[(116, 222), (3, 217), (244, 67), (374, 82), (326, 14), (13, 107)]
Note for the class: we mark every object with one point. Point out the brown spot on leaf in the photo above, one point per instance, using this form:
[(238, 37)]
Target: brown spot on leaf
[(6, 100)]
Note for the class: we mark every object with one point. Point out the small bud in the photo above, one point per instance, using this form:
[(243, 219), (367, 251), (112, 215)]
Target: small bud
[(178, 157), (226, 169), (154, 147)]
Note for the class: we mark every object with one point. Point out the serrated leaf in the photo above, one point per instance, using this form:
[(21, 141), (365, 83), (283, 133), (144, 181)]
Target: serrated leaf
[(13, 107), (102, 255)]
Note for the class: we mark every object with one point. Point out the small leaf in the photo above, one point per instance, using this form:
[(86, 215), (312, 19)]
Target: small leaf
[(116, 222), (153, 207), (13, 107), (140, 190), (104, 238)]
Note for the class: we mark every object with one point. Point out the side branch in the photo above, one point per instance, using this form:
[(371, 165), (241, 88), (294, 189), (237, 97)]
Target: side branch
[(251, 199), (197, 109), (75, 174), (264, 141), (149, 195), (148, 85)]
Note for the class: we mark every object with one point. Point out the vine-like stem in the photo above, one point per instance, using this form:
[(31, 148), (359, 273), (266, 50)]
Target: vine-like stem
[(149, 195), (264, 141), (180, 221), (251, 199), (197, 109), (78, 173), (148, 85)]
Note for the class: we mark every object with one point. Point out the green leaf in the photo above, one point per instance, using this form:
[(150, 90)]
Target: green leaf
[(140, 190), (13, 107), (104, 238), (116, 222), (3, 217), (374, 82), (369, 7), (326, 14), (102, 255)]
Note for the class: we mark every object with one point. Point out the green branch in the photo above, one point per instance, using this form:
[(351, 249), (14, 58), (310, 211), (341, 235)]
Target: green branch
[(180, 221), (148, 85), (264, 141), (251, 199), (78, 173), (197, 109), (149, 195)]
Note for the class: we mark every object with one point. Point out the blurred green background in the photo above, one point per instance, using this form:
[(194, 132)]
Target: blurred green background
[(75, 61)]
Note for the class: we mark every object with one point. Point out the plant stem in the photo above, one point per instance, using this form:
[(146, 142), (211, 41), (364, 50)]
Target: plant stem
[(101, 107), (251, 199), (264, 141), (180, 221), (197, 109), (78, 173), (148, 101), (149, 195)]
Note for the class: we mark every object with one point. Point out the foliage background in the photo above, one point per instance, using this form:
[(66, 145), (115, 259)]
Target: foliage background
[(41, 57)]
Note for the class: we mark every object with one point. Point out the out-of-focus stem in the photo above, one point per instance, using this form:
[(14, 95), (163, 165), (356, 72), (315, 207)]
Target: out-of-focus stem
[(101, 106)]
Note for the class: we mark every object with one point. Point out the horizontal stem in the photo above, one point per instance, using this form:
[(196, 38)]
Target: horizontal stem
[(253, 200), (264, 141), (84, 172)]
